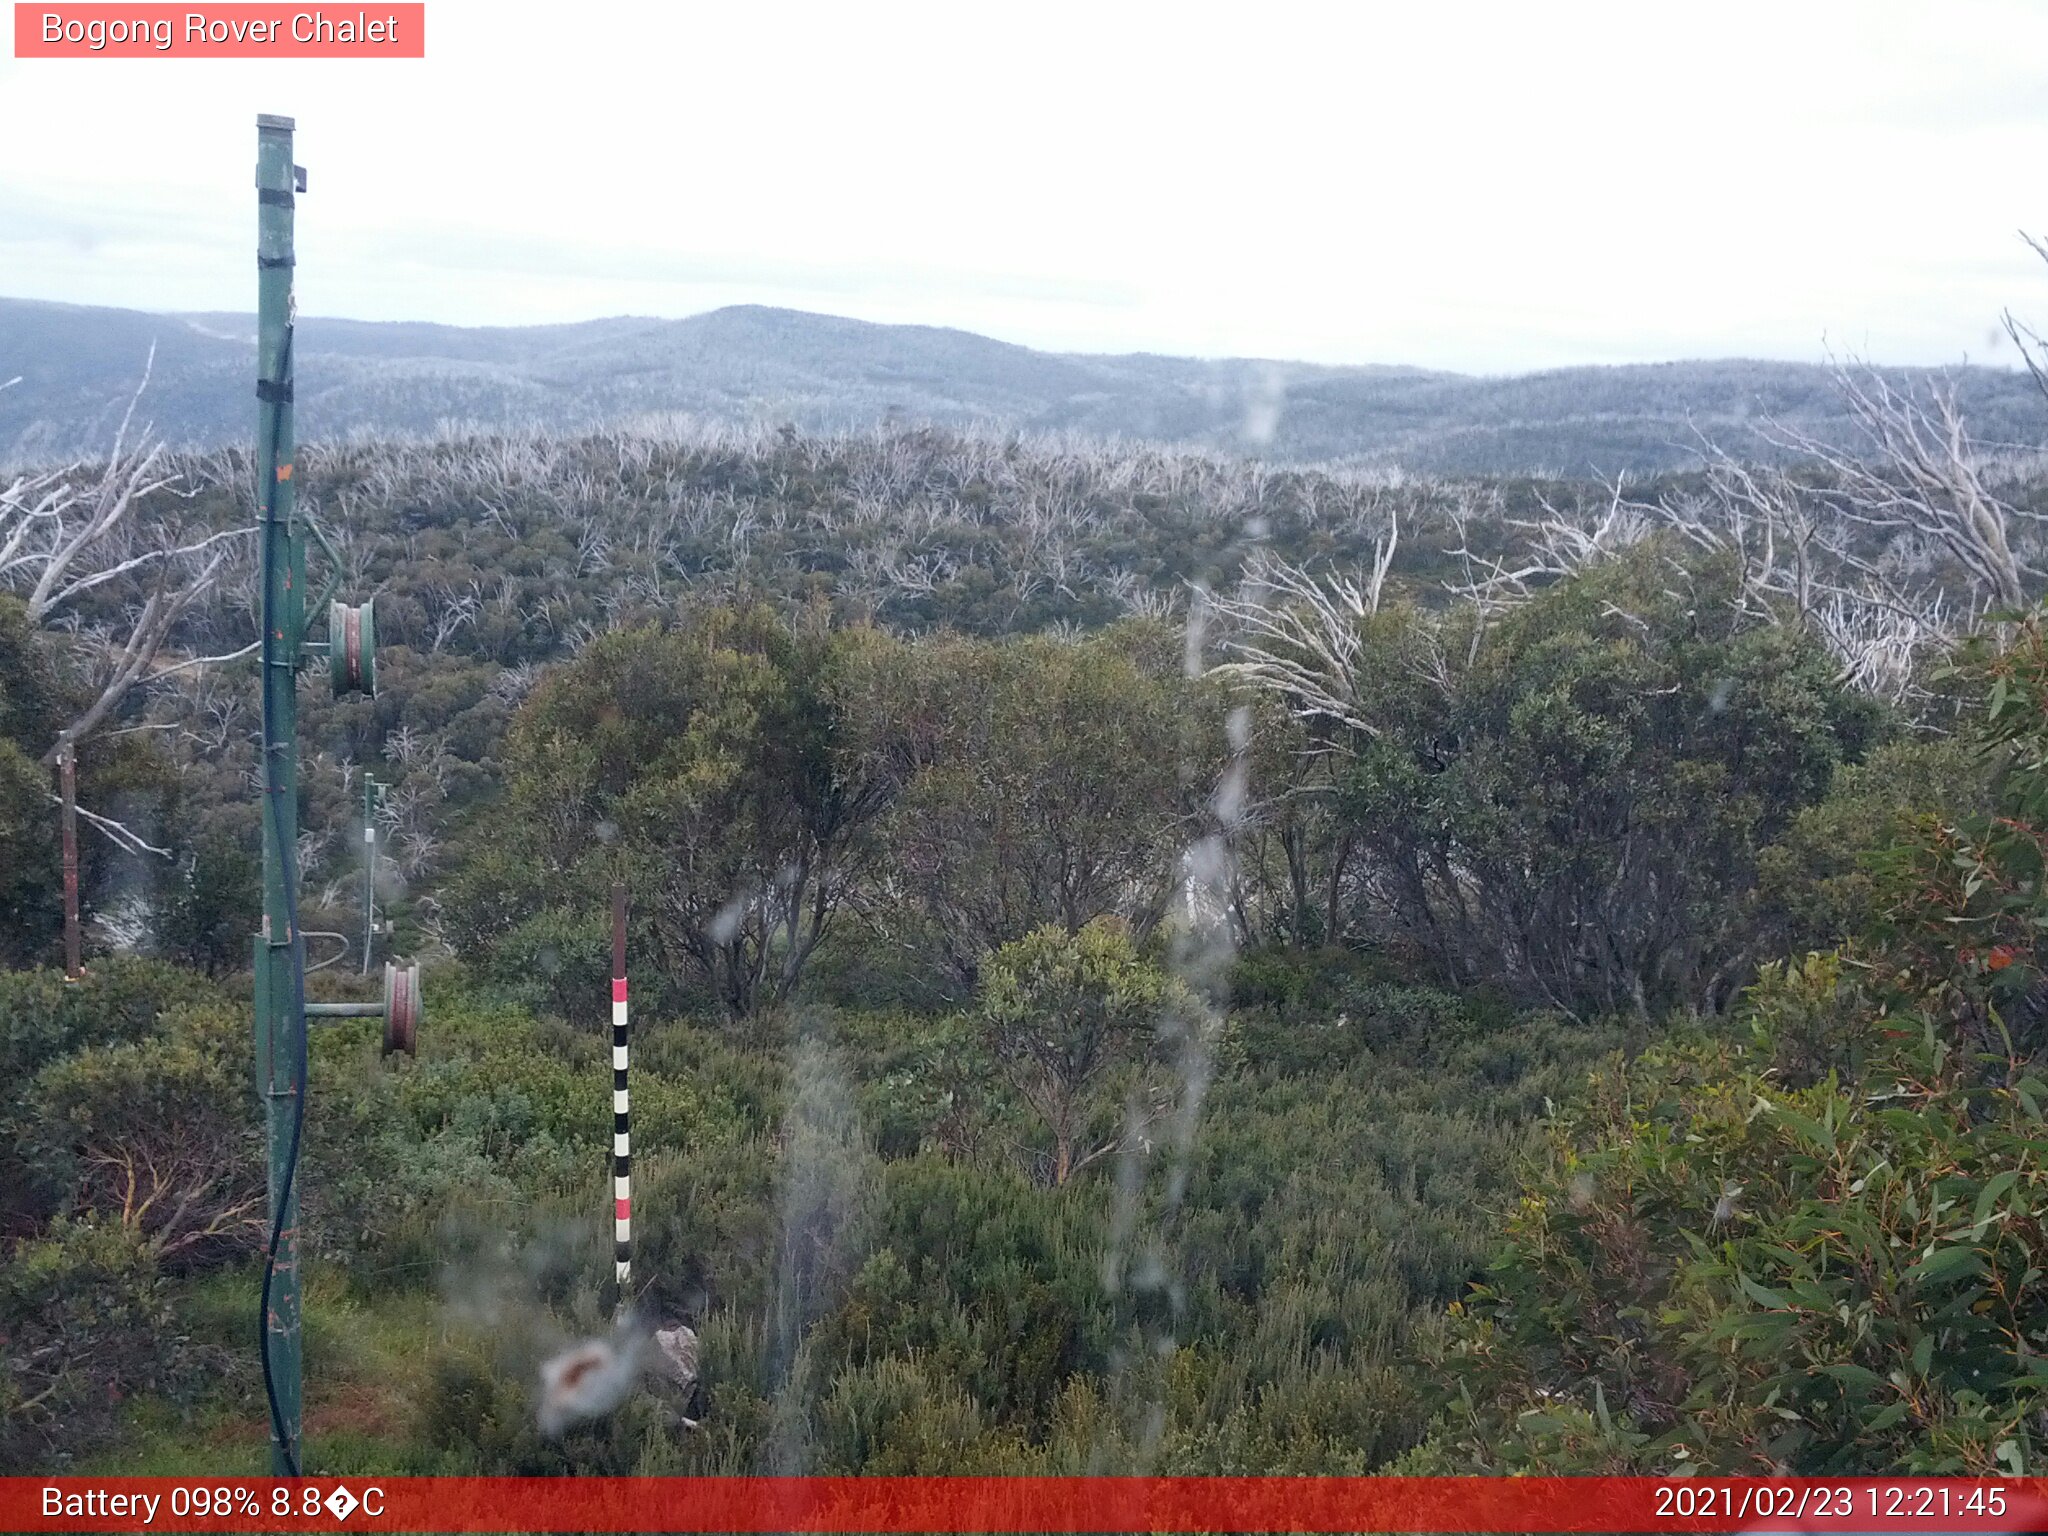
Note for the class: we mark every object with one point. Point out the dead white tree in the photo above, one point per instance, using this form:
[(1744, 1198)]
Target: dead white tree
[(2033, 349), (84, 561), (75, 549), (1563, 542), (1888, 551), (1302, 636), (1921, 473), (514, 683), (454, 612), (1879, 612)]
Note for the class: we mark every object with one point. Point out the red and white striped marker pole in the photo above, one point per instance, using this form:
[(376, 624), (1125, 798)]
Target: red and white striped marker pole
[(622, 1133)]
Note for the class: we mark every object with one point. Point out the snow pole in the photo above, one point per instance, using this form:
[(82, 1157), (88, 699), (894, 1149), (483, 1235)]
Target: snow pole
[(622, 1142)]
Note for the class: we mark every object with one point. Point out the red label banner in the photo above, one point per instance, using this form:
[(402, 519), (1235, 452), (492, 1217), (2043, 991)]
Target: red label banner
[(231, 31), (897, 1505)]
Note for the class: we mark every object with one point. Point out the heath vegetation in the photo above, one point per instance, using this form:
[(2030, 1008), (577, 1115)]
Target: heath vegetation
[(1142, 960)]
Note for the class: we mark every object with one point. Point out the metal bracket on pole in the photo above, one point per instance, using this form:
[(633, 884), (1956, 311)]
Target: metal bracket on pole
[(400, 1009), (334, 567)]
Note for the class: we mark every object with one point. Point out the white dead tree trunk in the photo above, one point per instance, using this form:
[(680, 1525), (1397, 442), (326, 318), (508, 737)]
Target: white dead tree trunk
[(1888, 553), (1563, 542), (68, 543), (84, 563), (1302, 636), (1879, 613), (1923, 475), (2033, 349)]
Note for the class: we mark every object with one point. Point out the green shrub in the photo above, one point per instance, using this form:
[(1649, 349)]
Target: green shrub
[(1724, 1271), (1814, 1243), (158, 1136), (87, 1325), (214, 910), (43, 1020), (898, 1417), (43, 1017)]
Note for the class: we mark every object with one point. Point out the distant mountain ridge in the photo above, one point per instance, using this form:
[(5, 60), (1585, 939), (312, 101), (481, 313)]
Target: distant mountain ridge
[(750, 364)]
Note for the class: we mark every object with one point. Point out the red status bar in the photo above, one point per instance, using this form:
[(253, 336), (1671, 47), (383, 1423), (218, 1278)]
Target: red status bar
[(1024, 1504)]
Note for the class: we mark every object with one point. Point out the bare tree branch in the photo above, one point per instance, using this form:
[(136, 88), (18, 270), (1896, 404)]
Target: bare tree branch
[(126, 838), (1302, 636), (65, 538)]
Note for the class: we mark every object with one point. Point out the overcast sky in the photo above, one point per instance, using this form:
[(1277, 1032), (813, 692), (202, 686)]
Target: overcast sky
[(1487, 187)]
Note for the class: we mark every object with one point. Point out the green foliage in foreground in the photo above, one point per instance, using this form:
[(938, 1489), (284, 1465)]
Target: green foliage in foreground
[(879, 1285), (1814, 1243), (1725, 1271), (1063, 1216), (126, 1155)]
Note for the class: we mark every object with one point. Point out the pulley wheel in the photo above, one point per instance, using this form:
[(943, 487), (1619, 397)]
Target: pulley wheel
[(352, 648), (401, 1008)]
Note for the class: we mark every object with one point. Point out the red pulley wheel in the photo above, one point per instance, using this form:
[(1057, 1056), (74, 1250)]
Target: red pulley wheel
[(352, 648), (401, 1008)]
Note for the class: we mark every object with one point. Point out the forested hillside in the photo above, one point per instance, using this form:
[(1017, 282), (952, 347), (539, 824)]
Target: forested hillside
[(755, 367), (1141, 960)]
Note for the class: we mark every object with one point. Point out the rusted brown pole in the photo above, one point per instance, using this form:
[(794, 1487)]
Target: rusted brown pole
[(67, 779)]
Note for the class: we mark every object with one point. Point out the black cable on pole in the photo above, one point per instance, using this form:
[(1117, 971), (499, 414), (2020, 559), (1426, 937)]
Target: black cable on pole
[(288, 860)]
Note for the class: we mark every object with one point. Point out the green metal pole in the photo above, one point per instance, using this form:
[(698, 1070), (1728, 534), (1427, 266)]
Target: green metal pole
[(280, 957)]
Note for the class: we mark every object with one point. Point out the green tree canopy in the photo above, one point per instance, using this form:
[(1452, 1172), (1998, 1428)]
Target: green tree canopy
[(1066, 1014), (700, 765), (1053, 782), (1577, 813)]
